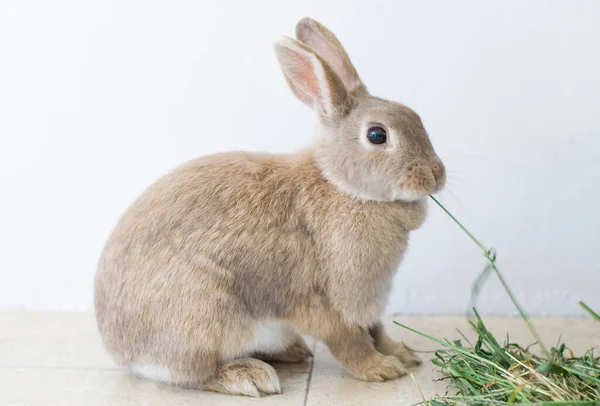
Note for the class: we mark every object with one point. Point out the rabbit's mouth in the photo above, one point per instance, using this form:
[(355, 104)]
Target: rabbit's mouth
[(419, 181), (409, 195)]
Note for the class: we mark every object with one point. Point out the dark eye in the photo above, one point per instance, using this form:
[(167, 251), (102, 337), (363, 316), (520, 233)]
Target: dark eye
[(376, 135)]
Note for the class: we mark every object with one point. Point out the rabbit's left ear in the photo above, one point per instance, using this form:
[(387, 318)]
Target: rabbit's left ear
[(312, 80), (326, 44)]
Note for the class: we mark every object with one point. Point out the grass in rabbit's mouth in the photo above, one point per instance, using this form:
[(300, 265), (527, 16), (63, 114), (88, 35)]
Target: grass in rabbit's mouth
[(490, 373)]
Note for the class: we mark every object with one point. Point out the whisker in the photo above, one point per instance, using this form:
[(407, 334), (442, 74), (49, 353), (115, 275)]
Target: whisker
[(456, 180), (448, 192), (465, 155), (458, 188), (463, 162), (453, 196)]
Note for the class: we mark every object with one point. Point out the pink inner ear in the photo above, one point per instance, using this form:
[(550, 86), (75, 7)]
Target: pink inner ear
[(304, 79), (335, 59)]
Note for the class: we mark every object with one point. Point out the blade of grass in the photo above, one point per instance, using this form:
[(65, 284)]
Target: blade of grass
[(492, 262), (592, 313), (417, 385), (454, 347)]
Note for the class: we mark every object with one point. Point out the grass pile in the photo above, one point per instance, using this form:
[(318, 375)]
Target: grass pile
[(490, 373)]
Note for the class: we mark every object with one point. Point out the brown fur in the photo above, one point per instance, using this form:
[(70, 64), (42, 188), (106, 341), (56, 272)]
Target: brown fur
[(310, 240)]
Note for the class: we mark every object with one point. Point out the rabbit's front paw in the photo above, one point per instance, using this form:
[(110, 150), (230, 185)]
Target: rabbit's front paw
[(404, 354), (380, 368)]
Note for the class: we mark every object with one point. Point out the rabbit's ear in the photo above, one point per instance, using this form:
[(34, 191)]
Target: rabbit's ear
[(311, 79), (326, 44)]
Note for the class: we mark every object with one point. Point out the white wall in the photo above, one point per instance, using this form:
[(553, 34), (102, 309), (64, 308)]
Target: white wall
[(99, 98)]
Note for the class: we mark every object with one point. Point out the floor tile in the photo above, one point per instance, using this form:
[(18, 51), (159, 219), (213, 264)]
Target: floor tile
[(74, 387), (51, 340), (58, 359)]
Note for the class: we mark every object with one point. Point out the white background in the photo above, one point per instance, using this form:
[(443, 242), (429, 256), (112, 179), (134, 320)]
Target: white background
[(99, 98)]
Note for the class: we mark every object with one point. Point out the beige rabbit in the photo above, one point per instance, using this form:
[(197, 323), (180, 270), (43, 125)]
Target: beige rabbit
[(221, 264)]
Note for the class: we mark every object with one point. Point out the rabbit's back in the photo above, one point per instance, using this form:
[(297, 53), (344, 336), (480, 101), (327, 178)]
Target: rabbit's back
[(216, 242)]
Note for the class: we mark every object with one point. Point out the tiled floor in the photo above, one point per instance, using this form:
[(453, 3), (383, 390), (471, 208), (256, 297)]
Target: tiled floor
[(57, 359)]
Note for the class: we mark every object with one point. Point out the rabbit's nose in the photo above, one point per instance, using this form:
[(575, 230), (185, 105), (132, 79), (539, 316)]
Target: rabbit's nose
[(439, 174)]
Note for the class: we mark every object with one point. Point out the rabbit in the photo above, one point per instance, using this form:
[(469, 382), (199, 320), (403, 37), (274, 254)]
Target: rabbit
[(222, 265)]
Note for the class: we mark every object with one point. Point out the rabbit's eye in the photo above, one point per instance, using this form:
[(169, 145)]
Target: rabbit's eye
[(376, 135)]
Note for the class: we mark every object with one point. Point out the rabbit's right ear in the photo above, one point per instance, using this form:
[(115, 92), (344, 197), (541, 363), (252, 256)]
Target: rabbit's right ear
[(326, 44), (311, 79)]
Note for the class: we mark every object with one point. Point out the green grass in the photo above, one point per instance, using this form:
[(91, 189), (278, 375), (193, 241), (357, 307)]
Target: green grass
[(489, 373)]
